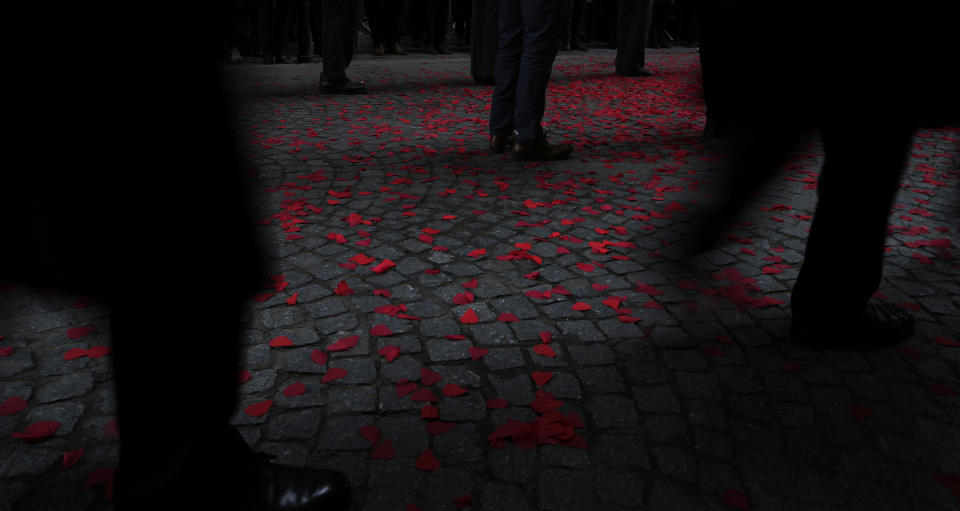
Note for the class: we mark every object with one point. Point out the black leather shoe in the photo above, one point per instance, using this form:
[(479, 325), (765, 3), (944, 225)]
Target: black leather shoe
[(578, 46), (345, 86), (502, 143), (541, 150), (281, 488), (878, 325), (635, 74)]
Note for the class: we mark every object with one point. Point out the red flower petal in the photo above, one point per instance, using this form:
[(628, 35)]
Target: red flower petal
[(281, 341), (343, 289), (429, 377), (544, 350), (12, 405), (541, 377), (424, 395), (470, 285), (98, 351), (381, 331), (507, 317), (735, 498), (470, 317), (70, 458), (294, 389), (384, 451), (371, 433), (258, 409), (427, 461), (74, 353), (79, 332), (453, 390), (389, 352), (435, 428), (334, 373), (318, 356), (476, 353), (581, 306), (497, 402)]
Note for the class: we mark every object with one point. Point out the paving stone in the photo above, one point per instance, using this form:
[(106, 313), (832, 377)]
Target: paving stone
[(501, 497), (407, 433), (612, 411), (469, 407), (601, 379), (592, 354), (514, 465), (65, 387), (351, 399), (563, 489), (517, 390), (458, 446), (21, 459), (583, 331), (620, 487), (67, 413), (675, 462), (492, 334), (298, 425), (504, 358), (343, 433), (566, 457)]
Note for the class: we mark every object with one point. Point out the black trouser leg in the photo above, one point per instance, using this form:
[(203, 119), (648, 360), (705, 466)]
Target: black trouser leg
[(341, 20), (843, 262), (633, 20)]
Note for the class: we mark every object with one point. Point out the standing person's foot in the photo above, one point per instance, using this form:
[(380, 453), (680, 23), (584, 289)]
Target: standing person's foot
[(443, 50), (879, 324), (578, 46), (269, 60), (343, 86), (428, 49), (635, 74), (378, 50), (501, 143), (461, 41), (279, 487), (565, 47), (541, 150), (397, 50)]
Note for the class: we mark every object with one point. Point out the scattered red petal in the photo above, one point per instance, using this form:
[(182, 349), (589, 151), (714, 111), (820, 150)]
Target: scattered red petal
[(70, 458), (334, 373), (544, 350), (281, 341), (79, 332), (390, 352), (581, 306), (258, 409), (294, 389), (477, 353), (470, 317), (384, 451), (541, 377), (12, 405), (427, 461), (371, 433), (735, 498), (496, 403), (429, 377), (453, 390)]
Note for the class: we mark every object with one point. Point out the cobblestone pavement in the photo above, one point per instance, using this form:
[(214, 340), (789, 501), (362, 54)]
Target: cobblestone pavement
[(457, 330)]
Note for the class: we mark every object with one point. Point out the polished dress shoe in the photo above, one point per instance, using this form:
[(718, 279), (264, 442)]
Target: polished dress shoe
[(578, 46), (344, 86), (443, 50), (541, 150), (635, 74), (429, 49), (282, 488), (502, 143), (878, 325), (396, 50), (378, 51)]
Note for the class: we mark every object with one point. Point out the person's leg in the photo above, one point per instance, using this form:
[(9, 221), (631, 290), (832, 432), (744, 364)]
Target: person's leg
[(576, 24), (633, 19), (375, 19), (341, 20), (541, 37), (506, 68), (439, 26), (843, 261)]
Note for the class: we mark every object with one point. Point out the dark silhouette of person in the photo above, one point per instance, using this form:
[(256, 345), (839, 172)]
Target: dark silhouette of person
[(573, 14), (530, 33), (339, 25), (461, 11), (129, 190), (634, 19), (484, 40), (384, 18), (865, 122)]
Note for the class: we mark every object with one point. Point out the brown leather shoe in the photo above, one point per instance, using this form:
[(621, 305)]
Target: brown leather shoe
[(378, 50), (397, 50), (542, 150), (502, 143)]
